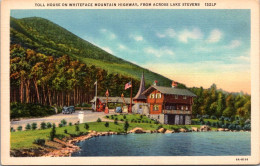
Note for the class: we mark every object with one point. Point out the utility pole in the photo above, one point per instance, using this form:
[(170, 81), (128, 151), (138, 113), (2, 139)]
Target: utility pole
[(96, 97)]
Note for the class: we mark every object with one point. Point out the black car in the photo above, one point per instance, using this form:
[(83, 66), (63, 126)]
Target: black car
[(72, 108), (67, 110)]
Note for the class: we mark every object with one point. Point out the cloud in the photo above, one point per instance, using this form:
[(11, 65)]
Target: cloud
[(215, 36), (160, 35), (234, 44), (107, 49), (186, 34), (138, 38), (159, 52), (167, 33), (242, 58), (202, 49), (103, 30), (112, 36), (122, 47), (109, 34)]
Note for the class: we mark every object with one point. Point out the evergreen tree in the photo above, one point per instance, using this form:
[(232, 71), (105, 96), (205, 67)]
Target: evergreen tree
[(126, 126), (230, 108), (53, 132), (220, 104)]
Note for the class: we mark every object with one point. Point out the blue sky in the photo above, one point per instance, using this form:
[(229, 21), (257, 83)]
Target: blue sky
[(196, 47)]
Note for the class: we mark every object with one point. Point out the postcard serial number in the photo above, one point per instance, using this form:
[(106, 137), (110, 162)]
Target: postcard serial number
[(241, 159)]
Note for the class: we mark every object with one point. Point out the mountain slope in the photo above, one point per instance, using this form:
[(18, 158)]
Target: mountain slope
[(51, 39)]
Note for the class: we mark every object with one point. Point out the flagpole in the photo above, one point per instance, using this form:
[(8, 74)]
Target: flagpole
[(96, 97), (131, 96), (107, 98)]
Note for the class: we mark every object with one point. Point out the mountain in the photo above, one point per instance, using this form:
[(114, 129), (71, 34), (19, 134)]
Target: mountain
[(49, 38)]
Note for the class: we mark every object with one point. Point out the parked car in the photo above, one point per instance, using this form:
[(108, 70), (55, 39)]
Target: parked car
[(118, 110), (72, 108), (67, 110)]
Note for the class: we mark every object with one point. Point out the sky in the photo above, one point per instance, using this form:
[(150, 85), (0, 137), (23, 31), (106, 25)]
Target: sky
[(195, 47)]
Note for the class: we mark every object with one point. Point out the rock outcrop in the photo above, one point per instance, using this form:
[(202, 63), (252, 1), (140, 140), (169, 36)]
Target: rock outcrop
[(66, 148), (169, 131), (221, 129), (194, 129), (182, 130), (137, 130), (205, 128), (161, 130)]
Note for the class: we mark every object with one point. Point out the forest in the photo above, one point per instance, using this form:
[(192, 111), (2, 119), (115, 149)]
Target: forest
[(218, 103), (38, 78)]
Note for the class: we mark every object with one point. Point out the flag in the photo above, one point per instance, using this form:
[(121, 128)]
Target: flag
[(95, 83), (128, 85), (107, 93)]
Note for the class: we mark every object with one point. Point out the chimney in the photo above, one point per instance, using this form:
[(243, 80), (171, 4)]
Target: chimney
[(174, 84), (155, 82)]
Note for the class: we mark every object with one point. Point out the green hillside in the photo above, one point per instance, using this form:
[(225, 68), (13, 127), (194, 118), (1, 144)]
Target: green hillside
[(49, 38)]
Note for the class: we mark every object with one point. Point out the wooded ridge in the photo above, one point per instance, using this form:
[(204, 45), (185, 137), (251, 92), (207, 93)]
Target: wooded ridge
[(46, 37)]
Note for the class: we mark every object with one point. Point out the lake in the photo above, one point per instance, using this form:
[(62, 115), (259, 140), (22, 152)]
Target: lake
[(177, 144)]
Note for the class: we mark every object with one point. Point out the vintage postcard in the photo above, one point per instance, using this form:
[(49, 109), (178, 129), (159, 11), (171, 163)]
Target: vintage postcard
[(129, 82)]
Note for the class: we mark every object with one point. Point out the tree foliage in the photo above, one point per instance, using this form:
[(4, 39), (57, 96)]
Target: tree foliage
[(218, 103), (38, 78), (53, 132)]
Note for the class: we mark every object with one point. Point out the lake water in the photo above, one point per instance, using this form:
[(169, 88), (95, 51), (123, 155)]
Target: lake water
[(177, 144)]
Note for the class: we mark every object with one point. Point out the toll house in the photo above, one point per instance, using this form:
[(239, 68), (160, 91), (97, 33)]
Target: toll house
[(169, 105)]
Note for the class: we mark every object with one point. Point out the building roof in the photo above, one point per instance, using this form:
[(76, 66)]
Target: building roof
[(139, 95), (169, 90), (112, 99)]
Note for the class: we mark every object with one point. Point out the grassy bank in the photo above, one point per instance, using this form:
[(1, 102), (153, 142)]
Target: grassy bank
[(24, 139), (133, 118)]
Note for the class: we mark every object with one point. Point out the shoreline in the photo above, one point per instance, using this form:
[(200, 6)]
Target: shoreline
[(66, 146)]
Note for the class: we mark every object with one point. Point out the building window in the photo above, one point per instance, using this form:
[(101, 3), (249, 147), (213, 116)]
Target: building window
[(156, 108), (187, 108), (181, 107), (176, 96), (158, 95), (140, 106), (152, 96), (184, 97)]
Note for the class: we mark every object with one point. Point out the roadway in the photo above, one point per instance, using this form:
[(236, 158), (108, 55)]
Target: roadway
[(89, 116)]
